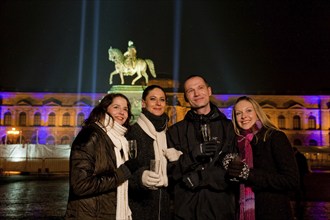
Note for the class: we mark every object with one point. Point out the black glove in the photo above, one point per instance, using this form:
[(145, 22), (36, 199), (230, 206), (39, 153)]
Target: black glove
[(193, 179), (132, 165), (239, 169), (206, 149)]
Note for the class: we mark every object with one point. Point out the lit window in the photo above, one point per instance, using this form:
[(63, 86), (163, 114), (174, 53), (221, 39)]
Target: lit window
[(66, 119), (37, 119), (281, 122), (296, 122), (51, 119), (50, 140), (311, 122), (65, 140), (80, 118), (7, 119), (22, 119)]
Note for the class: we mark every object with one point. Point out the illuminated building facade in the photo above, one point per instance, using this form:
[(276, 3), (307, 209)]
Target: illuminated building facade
[(43, 118), (55, 118)]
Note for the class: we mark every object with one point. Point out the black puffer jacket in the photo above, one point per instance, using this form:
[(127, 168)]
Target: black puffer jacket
[(213, 199), (94, 177)]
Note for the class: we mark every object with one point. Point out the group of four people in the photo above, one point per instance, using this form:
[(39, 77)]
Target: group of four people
[(243, 170)]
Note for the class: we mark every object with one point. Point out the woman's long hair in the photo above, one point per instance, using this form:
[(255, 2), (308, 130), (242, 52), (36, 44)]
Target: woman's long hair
[(99, 111), (263, 118)]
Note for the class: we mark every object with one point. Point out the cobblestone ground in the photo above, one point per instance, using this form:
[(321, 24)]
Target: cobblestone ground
[(31, 197), (45, 197)]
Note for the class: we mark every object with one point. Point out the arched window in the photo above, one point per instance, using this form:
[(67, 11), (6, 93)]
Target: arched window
[(7, 119), (65, 140), (66, 119), (296, 122), (80, 118), (312, 142), (281, 122), (51, 119), (297, 142), (22, 119), (50, 140), (311, 122), (37, 119)]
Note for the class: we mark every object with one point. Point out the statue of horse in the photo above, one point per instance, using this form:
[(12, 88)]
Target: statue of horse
[(140, 67)]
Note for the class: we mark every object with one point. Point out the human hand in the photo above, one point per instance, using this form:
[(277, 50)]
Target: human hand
[(193, 179), (172, 154), (150, 179), (206, 149), (238, 169), (132, 165), (228, 158)]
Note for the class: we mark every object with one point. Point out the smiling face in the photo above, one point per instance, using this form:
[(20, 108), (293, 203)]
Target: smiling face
[(245, 114), (118, 109), (155, 102), (198, 94)]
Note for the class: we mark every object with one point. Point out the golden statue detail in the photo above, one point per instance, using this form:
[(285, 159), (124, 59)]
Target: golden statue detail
[(128, 64)]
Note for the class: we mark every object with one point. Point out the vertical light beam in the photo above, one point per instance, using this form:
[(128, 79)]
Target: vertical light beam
[(81, 47), (95, 45), (176, 40)]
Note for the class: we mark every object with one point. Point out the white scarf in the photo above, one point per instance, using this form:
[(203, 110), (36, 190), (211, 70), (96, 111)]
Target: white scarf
[(116, 133), (159, 144)]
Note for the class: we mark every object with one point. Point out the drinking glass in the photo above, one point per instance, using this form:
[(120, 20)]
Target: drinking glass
[(206, 132), (132, 149)]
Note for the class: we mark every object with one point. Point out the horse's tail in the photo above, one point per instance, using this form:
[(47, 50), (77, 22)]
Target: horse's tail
[(151, 67)]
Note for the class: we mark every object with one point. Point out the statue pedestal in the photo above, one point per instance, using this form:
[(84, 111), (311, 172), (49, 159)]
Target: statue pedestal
[(134, 94)]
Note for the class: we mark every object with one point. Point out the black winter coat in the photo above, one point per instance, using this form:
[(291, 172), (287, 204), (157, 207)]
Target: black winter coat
[(213, 198), (94, 177), (146, 204), (274, 174)]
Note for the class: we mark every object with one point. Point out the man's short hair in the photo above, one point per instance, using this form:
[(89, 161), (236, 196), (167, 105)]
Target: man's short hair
[(189, 77)]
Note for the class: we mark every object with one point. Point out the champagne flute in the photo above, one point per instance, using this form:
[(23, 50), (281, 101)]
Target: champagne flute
[(132, 149), (154, 167), (206, 132)]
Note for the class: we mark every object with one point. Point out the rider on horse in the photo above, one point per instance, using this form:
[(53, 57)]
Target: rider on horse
[(130, 56)]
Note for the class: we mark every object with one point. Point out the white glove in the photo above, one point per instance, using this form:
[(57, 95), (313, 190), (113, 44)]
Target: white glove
[(172, 154), (150, 179)]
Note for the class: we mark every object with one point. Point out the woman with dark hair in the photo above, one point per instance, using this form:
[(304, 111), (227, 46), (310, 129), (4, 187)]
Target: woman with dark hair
[(148, 192), (265, 167), (99, 165)]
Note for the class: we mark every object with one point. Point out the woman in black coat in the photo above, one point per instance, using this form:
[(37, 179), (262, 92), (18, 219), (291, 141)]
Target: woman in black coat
[(99, 165), (148, 191), (265, 168)]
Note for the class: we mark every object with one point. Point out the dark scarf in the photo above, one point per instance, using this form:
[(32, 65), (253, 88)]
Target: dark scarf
[(247, 199), (213, 115), (197, 120), (159, 122)]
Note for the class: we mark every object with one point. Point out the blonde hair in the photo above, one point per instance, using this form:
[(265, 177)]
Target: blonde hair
[(263, 118)]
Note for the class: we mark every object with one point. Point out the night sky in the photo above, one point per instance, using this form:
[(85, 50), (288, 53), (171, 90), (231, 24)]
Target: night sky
[(251, 47)]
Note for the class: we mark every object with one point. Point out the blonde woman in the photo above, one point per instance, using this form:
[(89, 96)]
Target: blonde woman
[(265, 167)]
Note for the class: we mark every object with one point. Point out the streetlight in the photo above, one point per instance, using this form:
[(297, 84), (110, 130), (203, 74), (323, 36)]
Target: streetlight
[(13, 131)]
